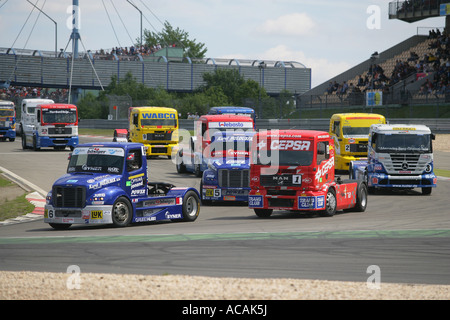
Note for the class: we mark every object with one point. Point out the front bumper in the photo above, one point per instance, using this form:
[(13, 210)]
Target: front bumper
[(402, 181), (57, 141), (224, 194), (301, 201), (160, 149), (96, 214)]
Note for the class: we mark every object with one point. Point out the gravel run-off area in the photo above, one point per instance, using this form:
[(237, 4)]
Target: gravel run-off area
[(89, 286)]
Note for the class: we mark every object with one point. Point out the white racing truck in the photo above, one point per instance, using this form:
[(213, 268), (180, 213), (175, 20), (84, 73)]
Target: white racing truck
[(399, 156)]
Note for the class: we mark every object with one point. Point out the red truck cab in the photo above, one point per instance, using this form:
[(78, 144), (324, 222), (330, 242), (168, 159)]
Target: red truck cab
[(294, 170)]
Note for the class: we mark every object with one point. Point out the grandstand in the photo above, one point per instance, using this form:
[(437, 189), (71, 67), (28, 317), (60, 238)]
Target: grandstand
[(423, 60)]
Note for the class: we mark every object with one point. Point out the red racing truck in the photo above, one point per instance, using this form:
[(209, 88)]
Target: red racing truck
[(294, 170)]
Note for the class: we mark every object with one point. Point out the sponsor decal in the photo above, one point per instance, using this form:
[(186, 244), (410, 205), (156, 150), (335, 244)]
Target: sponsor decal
[(158, 115), (255, 201), (97, 215), (321, 171), (296, 145), (311, 202)]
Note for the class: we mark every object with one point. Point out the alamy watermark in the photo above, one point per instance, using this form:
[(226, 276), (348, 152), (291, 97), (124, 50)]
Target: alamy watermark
[(74, 19), (374, 280), (74, 280), (373, 22)]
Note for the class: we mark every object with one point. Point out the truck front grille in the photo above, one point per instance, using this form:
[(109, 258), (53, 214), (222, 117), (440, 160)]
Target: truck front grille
[(69, 197), (234, 178), (159, 136), (60, 130), (405, 162), (359, 147)]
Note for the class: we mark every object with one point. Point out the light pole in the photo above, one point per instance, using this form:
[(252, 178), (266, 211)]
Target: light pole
[(261, 66), (141, 18), (56, 27)]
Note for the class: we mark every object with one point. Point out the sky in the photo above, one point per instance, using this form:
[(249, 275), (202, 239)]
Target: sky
[(327, 36)]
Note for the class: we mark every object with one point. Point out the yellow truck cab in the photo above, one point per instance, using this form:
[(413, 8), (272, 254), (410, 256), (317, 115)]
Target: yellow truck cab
[(156, 128), (350, 132)]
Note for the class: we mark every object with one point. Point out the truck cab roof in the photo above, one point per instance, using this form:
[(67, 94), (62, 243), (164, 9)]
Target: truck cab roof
[(310, 134), (124, 145), (57, 105), (400, 128)]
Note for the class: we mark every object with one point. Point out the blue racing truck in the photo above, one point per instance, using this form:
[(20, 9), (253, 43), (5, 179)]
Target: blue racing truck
[(106, 183), (399, 156), (7, 120), (228, 175)]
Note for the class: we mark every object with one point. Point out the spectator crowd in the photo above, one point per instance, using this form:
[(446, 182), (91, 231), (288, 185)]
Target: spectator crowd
[(436, 61), (128, 53), (17, 93)]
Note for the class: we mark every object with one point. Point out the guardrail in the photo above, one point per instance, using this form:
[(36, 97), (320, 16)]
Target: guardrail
[(436, 125)]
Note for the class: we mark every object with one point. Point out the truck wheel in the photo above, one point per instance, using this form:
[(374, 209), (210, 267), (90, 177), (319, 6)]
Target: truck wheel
[(60, 226), (35, 147), (191, 206), (361, 197), (181, 168), (197, 171), (426, 190), (350, 171), (370, 190), (263, 213), (24, 142), (122, 212), (330, 206)]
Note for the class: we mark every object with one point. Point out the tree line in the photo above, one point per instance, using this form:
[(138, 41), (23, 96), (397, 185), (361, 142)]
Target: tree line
[(221, 88)]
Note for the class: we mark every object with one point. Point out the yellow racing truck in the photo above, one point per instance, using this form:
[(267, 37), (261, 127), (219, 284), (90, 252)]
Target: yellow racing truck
[(155, 127), (350, 132)]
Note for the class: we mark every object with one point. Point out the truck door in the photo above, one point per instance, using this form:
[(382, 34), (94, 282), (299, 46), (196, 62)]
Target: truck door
[(136, 183), (325, 163)]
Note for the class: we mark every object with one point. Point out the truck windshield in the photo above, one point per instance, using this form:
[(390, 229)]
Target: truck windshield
[(158, 122), (6, 113), (96, 160), (355, 131), (403, 143), (59, 116), (284, 158)]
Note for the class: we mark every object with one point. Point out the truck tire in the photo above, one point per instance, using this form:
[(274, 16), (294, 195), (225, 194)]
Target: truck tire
[(197, 171), (263, 213), (427, 190), (350, 171), (191, 206), (24, 142), (330, 205), (35, 147), (370, 190), (122, 212), (181, 168), (361, 197)]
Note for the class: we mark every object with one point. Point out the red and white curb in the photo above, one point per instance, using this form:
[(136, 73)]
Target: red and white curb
[(38, 213)]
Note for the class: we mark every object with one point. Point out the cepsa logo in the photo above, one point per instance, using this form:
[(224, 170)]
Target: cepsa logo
[(295, 145), (158, 116)]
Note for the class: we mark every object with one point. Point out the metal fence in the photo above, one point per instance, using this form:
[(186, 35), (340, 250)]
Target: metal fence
[(436, 125)]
